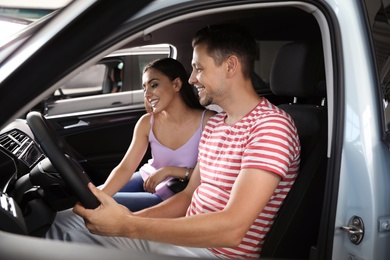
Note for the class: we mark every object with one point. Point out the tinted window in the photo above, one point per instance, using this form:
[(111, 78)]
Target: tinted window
[(87, 82), (92, 87), (379, 18), (118, 72)]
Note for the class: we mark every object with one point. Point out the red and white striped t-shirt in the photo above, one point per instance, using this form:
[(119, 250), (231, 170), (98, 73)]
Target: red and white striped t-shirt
[(266, 138)]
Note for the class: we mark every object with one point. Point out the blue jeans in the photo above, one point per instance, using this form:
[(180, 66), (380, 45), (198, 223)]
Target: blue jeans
[(133, 195)]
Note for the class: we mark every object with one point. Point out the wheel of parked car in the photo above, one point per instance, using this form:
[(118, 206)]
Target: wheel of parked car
[(69, 169)]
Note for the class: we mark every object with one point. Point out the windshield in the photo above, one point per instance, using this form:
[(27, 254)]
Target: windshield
[(10, 26), (19, 19), (18, 30)]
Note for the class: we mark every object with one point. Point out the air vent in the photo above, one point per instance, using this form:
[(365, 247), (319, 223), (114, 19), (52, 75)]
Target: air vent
[(15, 142)]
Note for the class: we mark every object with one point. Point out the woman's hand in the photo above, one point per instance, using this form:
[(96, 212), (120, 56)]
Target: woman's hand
[(158, 176), (163, 173)]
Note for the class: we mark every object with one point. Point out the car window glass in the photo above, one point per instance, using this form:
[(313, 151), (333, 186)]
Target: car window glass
[(114, 81), (379, 15), (87, 82), (118, 72), (137, 62)]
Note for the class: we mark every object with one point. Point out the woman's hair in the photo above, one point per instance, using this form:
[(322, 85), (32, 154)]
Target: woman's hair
[(173, 69)]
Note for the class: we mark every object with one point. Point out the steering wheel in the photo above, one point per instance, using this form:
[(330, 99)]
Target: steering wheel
[(69, 169)]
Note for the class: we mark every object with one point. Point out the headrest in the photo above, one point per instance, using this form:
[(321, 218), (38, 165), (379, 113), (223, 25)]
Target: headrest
[(298, 71)]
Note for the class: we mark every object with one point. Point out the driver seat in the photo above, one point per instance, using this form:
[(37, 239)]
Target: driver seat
[(298, 72)]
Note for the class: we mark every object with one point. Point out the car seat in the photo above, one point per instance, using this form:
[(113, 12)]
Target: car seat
[(298, 72)]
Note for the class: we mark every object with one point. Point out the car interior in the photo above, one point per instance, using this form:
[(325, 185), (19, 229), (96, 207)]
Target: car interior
[(292, 71)]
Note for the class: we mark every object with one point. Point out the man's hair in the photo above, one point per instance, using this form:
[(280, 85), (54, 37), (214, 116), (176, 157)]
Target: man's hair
[(223, 40)]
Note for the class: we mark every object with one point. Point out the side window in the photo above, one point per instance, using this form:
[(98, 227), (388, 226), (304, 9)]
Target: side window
[(379, 13), (88, 82), (137, 62), (119, 72)]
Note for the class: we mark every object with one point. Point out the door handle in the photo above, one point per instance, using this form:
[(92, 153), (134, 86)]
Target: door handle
[(79, 123), (116, 103)]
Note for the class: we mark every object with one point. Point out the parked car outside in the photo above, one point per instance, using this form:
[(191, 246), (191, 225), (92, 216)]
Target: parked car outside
[(90, 88), (326, 62)]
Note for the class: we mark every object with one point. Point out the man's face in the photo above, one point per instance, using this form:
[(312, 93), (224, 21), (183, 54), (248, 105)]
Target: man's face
[(206, 76)]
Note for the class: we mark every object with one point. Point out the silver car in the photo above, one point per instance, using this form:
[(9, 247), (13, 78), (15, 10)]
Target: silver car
[(326, 62)]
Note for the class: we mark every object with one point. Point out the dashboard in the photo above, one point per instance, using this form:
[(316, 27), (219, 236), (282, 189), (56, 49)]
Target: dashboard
[(18, 153), (31, 190), (21, 146)]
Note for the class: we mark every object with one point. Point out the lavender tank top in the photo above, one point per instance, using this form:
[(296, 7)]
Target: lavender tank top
[(184, 156)]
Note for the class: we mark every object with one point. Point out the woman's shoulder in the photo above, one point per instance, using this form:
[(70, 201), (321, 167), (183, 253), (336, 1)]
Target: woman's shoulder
[(207, 115), (145, 121), (146, 117)]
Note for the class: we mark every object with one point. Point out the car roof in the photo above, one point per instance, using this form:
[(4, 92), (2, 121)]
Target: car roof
[(280, 24)]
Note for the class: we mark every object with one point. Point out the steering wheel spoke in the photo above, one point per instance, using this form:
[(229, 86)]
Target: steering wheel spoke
[(69, 169)]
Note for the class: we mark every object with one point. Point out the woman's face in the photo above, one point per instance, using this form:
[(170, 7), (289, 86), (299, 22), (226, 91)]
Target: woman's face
[(159, 90)]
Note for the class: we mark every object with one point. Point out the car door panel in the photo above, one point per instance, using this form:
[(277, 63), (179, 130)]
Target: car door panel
[(98, 140), (103, 101)]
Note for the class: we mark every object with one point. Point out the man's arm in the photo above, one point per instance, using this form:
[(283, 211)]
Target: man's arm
[(251, 192)]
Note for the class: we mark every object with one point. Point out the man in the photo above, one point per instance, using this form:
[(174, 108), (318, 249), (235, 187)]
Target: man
[(248, 160)]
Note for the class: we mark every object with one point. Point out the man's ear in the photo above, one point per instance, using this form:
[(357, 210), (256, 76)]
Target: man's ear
[(232, 64)]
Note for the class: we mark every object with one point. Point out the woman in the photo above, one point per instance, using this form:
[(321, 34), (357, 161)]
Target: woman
[(172, 126)]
